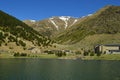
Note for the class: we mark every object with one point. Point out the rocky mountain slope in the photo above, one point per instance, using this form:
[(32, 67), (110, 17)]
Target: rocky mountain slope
[(52, 26), (104, 21), (102, 27), (15, 35)]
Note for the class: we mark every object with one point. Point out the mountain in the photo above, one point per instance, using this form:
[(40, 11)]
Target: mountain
[(104, 22), (102, 27), (15, 35), (52, 26)]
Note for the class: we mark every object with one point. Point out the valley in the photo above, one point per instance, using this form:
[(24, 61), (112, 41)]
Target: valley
[(52, 26), (60, 36)]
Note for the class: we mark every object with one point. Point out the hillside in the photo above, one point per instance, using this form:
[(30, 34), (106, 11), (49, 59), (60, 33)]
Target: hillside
[(105, 21), (52, 26), (16, 34)]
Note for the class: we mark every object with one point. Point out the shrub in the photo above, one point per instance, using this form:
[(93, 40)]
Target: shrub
[(85, 53), (17, 54), (92, 54), (24, 48), (23, 54), (64, 54), (77, 52), (0, 44), (10, 47), (5, 44), (99, 54), (48, 52), (22, 43), (6, 34), (60, 54)]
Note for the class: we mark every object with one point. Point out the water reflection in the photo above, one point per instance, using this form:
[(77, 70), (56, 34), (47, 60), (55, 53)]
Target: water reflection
[(53, 69)]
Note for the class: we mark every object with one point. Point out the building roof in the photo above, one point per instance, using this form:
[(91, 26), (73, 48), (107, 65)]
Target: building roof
[(112, 45)]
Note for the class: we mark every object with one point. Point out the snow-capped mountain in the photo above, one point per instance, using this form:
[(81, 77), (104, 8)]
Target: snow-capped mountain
[(33, 21), (63, 21), (53, 25)]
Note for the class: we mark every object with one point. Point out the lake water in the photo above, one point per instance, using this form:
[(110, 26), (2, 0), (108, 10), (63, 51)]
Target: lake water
[(53, 69)]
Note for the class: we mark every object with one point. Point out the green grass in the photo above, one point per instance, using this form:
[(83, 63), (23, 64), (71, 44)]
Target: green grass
[(104, 21), (44, 56), (6, 55), (90, 41), (103, 57), (52, 56), (108, 57)]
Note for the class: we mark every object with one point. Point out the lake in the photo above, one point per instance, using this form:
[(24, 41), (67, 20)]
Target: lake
[(55, 69)]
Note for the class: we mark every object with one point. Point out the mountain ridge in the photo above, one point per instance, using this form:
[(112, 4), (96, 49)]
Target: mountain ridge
[(65, 29), (104, 21), (53, 25)]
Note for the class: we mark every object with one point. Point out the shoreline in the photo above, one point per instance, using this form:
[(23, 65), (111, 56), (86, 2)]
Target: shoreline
[(71, 57)]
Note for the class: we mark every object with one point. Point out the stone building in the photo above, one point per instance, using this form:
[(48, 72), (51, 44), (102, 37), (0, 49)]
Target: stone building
[(108, 49)]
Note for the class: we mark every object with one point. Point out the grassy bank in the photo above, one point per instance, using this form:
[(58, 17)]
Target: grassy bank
[(103, 57), (108, 57), (6, 55), (44, 56), (52, 56)]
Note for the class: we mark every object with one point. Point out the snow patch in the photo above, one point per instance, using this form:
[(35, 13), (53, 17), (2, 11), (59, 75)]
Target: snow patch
[(65, 19), (89, 14), (74, 22), (32, 20), (51, 19), (83, 16)]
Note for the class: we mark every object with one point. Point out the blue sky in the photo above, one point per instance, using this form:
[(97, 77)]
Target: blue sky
[(42, 9)]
